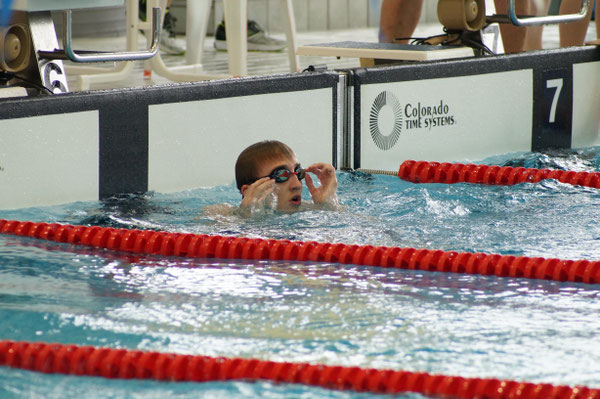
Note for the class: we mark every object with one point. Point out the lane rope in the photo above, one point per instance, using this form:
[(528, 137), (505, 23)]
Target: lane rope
[(450, 173), (135, 364), (121, 363), (223, 247)]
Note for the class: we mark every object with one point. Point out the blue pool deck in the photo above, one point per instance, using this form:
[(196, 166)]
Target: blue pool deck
[(263, 63)]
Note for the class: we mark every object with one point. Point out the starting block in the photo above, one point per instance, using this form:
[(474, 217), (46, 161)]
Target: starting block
[(367, 51)]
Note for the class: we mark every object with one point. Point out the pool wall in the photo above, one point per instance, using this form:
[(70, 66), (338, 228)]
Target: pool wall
[(91, 145), (470, 109)]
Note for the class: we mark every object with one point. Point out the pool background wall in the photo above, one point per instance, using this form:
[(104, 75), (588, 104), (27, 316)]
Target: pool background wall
[(91, 145), (96, 144)]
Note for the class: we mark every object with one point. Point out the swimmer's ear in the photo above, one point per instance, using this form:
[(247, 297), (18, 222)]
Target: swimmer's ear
[(243, 189)]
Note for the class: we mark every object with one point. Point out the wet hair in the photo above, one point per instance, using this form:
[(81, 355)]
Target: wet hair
[(247, 164)]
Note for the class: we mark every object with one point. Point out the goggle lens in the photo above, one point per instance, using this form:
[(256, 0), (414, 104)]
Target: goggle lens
[(281, 175)]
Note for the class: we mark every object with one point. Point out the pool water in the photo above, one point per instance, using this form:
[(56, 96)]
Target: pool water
[(473, 326)]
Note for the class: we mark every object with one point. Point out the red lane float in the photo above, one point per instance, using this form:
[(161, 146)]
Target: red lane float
[(135, 364), (205, 246), (450, 173)]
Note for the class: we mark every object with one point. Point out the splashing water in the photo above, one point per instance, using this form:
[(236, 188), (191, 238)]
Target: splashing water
[(474, 326)]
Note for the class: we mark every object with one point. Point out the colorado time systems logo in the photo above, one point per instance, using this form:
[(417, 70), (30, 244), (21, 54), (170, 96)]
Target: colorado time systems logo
[(385, 102), (388, 118)]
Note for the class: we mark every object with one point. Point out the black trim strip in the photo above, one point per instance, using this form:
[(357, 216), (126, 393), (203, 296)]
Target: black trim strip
[(552, 123), (180, 92), (123, 150), (334, 143), (356, 149)]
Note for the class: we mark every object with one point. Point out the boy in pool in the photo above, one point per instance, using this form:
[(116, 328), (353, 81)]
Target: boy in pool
[(268, 173)]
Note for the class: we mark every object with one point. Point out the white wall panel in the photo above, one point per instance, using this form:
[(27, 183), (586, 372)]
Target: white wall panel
[(490, 114), (48, 160), (586, 105), (196, 144)]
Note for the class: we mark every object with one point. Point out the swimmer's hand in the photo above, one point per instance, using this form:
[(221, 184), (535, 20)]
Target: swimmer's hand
[(326, 193), (256, 194)]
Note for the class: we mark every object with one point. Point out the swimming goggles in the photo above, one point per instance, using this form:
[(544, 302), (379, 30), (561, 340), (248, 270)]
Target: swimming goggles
[(282, 174)]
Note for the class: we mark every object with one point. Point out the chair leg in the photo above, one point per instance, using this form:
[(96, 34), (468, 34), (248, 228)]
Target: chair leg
[(237, 35), (196, 19), (183, 73), (121, 72), (290, 32)]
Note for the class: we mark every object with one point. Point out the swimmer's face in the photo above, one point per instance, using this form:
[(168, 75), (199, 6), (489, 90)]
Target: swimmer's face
[(288, 193)]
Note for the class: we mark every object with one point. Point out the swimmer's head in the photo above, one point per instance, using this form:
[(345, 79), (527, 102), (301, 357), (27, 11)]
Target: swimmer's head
[(277, 161), (250, 160)]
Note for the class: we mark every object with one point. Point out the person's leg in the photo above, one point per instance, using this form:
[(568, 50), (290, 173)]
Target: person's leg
[(513, 37), (573, 33), (399, 18), (533, 37)]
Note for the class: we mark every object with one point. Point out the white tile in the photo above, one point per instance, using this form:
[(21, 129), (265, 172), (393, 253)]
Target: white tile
[(317, 11), (338, 14), (274, 16), (358, 13), (429, 14), (301, 14), (212, 22), (218, 11)]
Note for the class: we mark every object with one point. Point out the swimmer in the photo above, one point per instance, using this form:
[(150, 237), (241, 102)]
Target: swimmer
[(268, 173), (269, 176)]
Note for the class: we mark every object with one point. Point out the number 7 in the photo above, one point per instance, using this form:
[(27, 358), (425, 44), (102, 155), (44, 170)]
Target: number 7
[(556, 84)]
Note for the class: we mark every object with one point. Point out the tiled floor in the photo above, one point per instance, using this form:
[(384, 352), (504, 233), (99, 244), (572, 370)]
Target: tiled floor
[(260, 63)]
